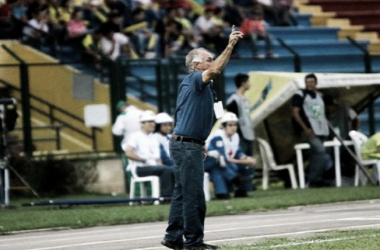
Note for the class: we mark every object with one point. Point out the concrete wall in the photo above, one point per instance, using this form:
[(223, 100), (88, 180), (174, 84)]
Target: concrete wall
[(110, 177)]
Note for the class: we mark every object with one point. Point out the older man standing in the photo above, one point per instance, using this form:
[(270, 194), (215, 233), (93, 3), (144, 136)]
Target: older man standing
[(194, 120)]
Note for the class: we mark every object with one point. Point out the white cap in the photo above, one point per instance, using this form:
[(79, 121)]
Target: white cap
[(229, 117), (163, 118), (147, 115)]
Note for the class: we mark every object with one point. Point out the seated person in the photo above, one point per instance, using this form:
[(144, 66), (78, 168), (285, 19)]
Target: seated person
[(253, 30), (164, 125), (143, 152), (227, 164), (36, 29)]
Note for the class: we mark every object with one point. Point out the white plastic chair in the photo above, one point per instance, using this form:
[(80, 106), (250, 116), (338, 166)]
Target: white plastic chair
[(155, 184), (206, 186), (359, 139), (270, 164)]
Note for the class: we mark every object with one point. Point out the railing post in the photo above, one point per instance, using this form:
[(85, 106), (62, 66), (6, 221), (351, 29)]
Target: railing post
[(367, 56), (58, 137), (115, 94), (159, 86), (93, 135), (297, 58), (51, 115), (371, 118), (25, 103)]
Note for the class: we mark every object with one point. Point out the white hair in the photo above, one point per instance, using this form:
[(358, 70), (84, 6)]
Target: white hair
[(193, 56)]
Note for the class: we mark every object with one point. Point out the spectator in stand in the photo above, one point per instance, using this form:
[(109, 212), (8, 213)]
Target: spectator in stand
[(144, 40), (176, 42), (65, 12), (92, 52), (165, 4), (211, 32), (188, 29), (232, 15), (37, 29), (5, 17), (283, 10), (117, 6), (98, 13), (76, 27), (253, 30), (54, 12), (35, 6), (19, 11), (161, 29), (57, 27), (114, 44), (19, 18)]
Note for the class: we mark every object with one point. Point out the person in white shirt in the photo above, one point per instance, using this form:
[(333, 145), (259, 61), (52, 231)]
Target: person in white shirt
[(112, 43), (143, 152), (127, 121), (36, 26), (227, 164), (211, 31), (164, 125)]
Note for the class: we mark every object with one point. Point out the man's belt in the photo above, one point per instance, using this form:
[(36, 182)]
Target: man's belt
[(187, 139)]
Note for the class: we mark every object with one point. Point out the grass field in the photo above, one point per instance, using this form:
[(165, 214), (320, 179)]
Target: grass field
[(338, 240), (18, 217)]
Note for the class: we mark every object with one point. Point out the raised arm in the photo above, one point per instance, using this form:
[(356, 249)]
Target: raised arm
[(218, 65)]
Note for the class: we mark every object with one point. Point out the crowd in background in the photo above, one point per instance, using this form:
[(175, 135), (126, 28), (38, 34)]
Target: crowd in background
[(140, 28)]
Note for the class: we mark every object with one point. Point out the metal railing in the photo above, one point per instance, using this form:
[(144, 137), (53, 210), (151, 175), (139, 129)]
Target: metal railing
[(56, 138), (367, 56), (52, 116), (297, 58)]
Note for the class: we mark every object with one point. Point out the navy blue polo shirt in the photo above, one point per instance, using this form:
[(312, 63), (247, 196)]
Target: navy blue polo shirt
[(195, 107)]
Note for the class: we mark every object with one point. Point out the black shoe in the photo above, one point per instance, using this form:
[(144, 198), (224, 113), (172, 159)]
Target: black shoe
[(241, 194), (202, 247), (222, 196), (172, 245), (238, 180)]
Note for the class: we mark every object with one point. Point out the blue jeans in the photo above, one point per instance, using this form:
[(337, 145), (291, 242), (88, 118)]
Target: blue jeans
[(317, 163), (166, 177), (243, 170), (188, 206), (220, 176)]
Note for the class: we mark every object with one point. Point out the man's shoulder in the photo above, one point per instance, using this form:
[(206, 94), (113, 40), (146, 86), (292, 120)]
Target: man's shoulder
[(192, 75), (300, 92), (233, 97)]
